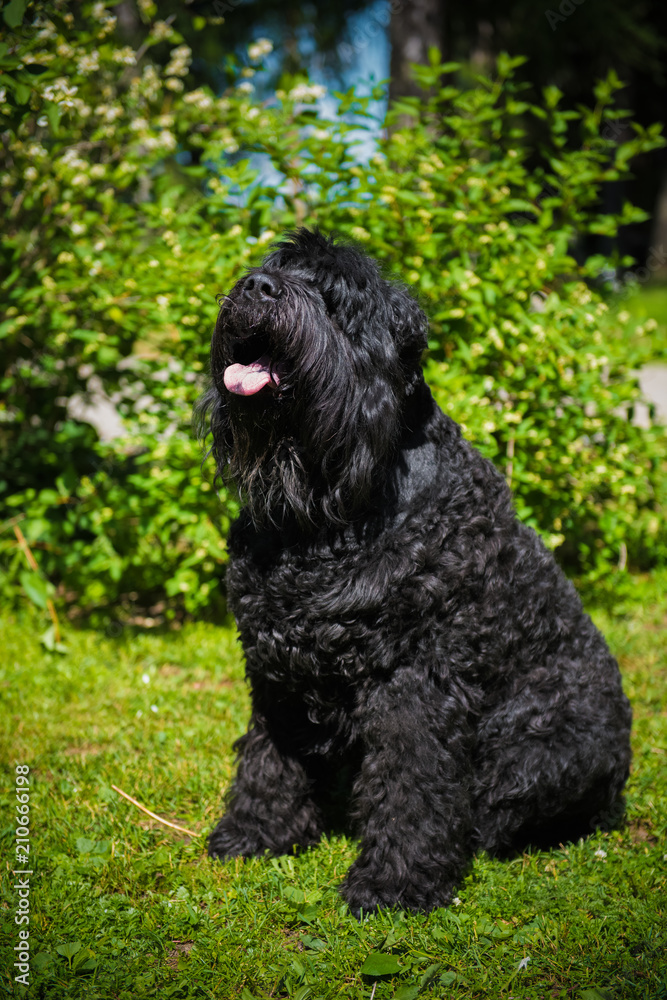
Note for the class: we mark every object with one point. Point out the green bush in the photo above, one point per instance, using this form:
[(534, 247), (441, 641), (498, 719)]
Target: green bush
[(127, 217)]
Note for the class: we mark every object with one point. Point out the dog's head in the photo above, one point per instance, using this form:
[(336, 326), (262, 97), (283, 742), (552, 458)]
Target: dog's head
[(313, 357)]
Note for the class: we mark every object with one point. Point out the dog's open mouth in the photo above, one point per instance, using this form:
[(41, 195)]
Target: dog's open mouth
[(246, 380), (252, 367)]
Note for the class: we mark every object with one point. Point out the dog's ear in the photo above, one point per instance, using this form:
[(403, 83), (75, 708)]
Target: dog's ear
[(409, 325)]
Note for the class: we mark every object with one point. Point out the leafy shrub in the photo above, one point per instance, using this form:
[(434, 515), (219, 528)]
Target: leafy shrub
[(126, 217)]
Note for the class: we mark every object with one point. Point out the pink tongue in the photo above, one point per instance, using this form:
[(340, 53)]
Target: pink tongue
[(246, 380)]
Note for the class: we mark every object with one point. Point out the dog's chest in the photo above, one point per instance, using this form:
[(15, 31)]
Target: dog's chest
[(300, 613)]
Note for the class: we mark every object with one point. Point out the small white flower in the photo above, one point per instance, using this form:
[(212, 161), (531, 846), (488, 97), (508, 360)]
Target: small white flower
[(600, 853), (456, 901), (246, 87), (126, 56), (173, 83), (153, 708), (107, 25), (180, 59), (48, 31), (139, 714), (307, 92), (162, 301), (71, 159), (153, 263), (262, 47), (199, 99), (30, 174), (146, 678), (89, 63), (161, 30), (42, 121), (83, 108), (59, 90), (77, 229)]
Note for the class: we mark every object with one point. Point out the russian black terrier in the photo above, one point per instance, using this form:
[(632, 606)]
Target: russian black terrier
[(418, 663)]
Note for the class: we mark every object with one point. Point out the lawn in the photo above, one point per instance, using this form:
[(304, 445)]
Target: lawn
[(646, 305), (121, 906)]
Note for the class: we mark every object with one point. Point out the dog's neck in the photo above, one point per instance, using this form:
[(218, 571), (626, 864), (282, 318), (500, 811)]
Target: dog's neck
[(401, 474)]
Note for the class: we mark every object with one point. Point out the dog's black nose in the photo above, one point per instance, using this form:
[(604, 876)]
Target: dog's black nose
[(262, 286)]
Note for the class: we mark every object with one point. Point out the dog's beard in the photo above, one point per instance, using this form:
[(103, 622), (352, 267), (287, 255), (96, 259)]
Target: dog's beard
[(267, 464)]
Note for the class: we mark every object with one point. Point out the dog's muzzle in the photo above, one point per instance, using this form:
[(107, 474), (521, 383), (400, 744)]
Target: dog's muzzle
[(246, 380)]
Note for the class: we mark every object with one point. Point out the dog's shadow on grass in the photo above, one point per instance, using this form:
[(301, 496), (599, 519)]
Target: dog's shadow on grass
[(557, 834)]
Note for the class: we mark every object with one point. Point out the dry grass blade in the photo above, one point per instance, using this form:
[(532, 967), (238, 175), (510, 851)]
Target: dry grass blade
[(153, 815)]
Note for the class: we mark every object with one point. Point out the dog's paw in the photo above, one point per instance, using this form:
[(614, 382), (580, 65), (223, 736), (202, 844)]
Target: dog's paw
[(229, 841), (362, 901), (366, 892)]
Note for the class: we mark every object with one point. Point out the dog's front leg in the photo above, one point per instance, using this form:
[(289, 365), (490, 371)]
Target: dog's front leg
[(411, 797), (269, 806)]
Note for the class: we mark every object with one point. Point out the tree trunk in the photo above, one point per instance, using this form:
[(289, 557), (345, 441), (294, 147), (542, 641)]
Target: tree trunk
[(657, 259), (416, 25)]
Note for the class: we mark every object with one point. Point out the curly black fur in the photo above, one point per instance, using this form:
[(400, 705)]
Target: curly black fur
[(413, 650)]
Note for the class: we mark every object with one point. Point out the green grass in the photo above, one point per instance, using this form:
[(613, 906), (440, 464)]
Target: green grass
[(646, 303), (122, 907)]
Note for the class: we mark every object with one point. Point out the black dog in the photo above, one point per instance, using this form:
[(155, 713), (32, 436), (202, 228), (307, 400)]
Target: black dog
[(413, 650)]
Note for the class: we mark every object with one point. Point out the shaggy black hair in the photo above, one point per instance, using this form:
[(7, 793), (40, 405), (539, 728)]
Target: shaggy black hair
[(318, 443), (421, 670)]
